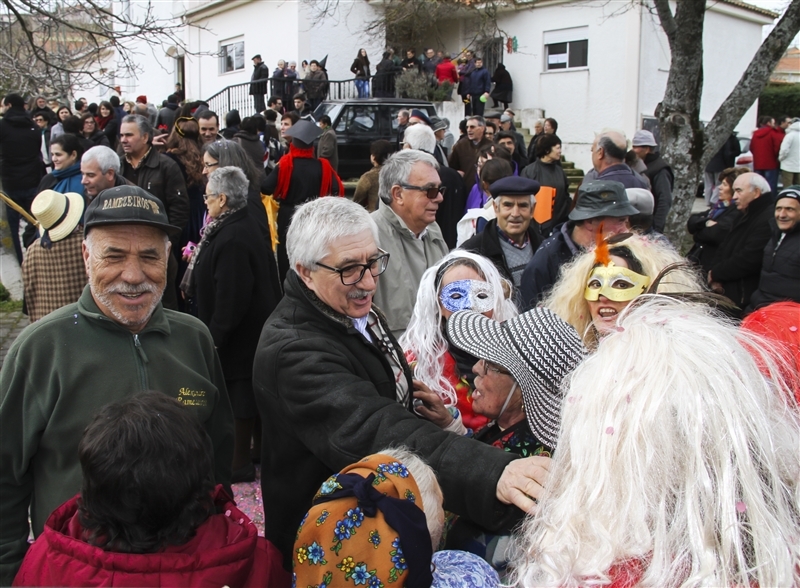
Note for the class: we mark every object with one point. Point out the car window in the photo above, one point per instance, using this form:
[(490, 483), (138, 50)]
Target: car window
[(358, 119)]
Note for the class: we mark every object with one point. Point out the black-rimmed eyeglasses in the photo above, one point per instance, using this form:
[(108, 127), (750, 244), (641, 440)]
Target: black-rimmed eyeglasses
[(432, 192), (354, 273)]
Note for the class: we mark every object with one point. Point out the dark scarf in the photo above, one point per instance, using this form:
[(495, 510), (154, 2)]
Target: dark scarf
[(286, 165), (188, 283), (102, 121)]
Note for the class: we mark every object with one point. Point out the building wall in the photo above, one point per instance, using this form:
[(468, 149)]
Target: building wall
[(583, 100)]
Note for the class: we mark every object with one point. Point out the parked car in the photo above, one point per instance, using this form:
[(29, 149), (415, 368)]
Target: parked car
[(360, 122)]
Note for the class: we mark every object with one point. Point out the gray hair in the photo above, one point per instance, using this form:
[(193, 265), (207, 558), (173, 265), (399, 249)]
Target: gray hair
[(429, 489), (398, 167), (318, 224), (757, 182), (228, 153), (232, 182), (614, 145), (143, 124), (420, 137), (105, 158), (478, 119)]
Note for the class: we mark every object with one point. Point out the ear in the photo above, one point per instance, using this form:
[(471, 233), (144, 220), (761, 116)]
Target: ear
[(305, 275), (397, 194), (223, 199), (85, 251)]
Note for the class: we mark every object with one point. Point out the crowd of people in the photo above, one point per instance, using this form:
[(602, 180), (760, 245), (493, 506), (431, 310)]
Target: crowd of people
[(466, 375)]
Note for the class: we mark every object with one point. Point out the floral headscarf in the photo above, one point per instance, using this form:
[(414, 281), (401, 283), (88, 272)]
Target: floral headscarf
[(367, 527)]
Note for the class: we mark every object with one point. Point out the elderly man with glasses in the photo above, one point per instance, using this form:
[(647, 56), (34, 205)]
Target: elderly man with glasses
[(410, 193), (333, 386)]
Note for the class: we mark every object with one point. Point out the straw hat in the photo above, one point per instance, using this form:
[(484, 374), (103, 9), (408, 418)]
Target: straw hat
[(58, 214)]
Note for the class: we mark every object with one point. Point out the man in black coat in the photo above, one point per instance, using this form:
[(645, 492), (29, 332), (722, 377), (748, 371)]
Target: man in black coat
[(258, 88), (333, 386), (780, 268), (512, 237), (658, 172), (737, 265), (21, 165)]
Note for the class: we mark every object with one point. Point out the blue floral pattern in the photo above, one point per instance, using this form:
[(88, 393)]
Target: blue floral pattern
[(459, 569)]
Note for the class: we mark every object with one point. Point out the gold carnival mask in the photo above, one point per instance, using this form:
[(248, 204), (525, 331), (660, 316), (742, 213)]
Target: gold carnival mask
[(615, 283)]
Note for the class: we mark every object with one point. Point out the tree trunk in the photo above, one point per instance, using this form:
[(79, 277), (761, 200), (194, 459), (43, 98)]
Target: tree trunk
[(686, 145)]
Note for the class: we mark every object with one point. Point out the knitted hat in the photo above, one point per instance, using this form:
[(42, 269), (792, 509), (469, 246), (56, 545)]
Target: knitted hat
[(537, 347), (142, 99), (58, 215), (789, 192), (367, 526), (644, 138)]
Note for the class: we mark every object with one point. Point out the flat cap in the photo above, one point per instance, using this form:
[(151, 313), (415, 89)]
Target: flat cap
[(514, 186)]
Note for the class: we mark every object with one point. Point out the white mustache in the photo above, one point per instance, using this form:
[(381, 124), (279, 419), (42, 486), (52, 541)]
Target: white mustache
[(359, 293), (125, 288)]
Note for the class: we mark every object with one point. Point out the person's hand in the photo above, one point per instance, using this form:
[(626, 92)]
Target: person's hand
[(523, 481), (160, 140), (710, 223), (432, 408), (717, 288)]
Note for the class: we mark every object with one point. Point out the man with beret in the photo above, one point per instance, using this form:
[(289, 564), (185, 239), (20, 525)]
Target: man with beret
[(601, 205), (512, 237), (116, 341), (780, 267)]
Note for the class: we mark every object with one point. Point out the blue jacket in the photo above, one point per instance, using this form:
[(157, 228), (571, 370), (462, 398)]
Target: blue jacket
[(480, 81), (542, 271)]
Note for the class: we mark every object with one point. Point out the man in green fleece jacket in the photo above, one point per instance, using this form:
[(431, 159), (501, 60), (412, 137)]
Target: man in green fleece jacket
[(117, 340)]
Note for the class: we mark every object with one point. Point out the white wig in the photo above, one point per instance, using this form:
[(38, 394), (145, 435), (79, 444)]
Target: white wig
[(676, 455), (424, 336)]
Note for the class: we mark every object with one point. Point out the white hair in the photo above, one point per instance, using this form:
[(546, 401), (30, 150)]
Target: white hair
[(397, 168), (105, 158), (316, 225), (429, 489), (420, 137), (232, 182), (675, 455), (424, 336), (757, 182)]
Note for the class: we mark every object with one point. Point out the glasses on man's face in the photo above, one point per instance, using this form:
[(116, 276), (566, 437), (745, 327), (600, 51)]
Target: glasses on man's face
[(353, 274), (488, 366), (432, 192)]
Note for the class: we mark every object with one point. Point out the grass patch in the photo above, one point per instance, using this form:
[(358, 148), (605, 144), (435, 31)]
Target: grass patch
[(10, 305)]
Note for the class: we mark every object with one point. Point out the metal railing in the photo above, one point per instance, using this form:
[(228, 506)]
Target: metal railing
[(238, 95)]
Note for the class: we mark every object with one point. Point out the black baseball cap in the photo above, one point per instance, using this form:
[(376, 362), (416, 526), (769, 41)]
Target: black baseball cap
[(602, 198), (128, 205)]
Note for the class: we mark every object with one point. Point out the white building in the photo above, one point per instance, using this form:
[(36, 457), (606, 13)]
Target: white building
[(590, 65)]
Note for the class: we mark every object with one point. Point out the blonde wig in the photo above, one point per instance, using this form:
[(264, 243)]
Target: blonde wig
[(425, 337), (676, 459), (566, 297)]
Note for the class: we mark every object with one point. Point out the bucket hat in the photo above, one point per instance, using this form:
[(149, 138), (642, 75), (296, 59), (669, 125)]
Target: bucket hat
[(602, 198), (537, 347)]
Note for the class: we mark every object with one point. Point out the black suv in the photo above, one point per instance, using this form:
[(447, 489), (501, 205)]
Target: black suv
[(360, 122)]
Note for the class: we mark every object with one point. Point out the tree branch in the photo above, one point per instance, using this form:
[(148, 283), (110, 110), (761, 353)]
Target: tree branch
[(667, 19), (752, 81)]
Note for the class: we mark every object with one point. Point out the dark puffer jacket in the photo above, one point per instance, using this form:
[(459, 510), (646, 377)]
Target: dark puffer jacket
[(21, 165), (780, 270)]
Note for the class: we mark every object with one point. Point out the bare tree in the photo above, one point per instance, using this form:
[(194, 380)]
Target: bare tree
[(685, 144), (50, 46)]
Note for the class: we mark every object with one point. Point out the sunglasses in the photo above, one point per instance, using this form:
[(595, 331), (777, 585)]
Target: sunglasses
[(432, 193)]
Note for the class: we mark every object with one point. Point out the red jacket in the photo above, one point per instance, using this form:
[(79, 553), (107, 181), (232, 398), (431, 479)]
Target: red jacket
[(764, 145), (226, 550), (446, 71)]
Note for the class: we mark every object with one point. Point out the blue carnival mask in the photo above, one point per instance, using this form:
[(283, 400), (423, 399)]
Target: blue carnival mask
[(473, 295)]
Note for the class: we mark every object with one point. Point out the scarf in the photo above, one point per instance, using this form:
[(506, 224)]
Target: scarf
[(286, 164), (366, 526), (102, 121), (188, 283), (69, 179)]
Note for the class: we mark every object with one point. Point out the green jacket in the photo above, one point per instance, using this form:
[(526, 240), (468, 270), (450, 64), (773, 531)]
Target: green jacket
[(56, 376)]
